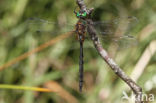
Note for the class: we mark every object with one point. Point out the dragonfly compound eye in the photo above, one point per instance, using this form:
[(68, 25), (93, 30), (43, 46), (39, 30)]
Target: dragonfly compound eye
[(78, 14), (84, 14), (81, 14)]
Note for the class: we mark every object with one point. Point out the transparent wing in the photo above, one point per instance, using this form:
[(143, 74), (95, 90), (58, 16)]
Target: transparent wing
[(122, 42), (118, 25), (117, 32), (43, 26)]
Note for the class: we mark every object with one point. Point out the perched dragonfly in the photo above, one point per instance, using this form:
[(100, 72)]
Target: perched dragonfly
[(107, 31)]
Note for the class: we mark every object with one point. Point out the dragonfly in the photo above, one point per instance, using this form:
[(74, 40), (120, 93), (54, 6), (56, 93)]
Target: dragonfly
[(106, 30)]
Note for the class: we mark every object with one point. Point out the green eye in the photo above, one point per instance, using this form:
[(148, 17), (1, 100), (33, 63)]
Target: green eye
[(78, 14), (84, 14)]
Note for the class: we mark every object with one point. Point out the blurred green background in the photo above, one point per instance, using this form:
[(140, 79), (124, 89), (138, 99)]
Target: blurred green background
[(60, 63)]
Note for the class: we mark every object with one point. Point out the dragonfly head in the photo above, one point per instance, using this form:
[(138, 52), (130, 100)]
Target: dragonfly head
[(81, 14)]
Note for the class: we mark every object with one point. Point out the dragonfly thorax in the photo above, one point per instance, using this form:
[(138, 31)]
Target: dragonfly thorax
[(80, 30)]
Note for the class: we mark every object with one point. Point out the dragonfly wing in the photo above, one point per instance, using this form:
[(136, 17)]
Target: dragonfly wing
[(36, 20), (123, 42), (116, 32), (124, 24), (43, 26)]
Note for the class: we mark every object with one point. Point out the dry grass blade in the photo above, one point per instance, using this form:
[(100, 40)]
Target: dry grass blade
[(143, 62), (41, 47), (61, 92), (146, 31)]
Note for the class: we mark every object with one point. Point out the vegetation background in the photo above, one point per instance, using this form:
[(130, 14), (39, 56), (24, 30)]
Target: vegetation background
[(57, 66)]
